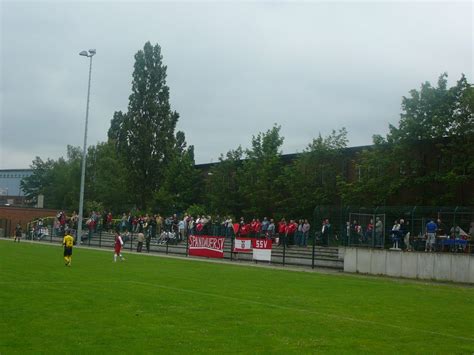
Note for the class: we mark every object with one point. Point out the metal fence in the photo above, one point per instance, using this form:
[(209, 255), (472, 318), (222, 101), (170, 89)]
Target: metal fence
[(5, 227), (451, 221), (311, 256)]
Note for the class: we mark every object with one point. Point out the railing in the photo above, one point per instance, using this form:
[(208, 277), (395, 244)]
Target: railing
[(356, 226), (5, 227), (312, 256)]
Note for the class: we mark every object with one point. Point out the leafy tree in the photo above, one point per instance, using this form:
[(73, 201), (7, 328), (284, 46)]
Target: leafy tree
[(436, 122), (429, 158), (435, 112), (376, 177), (181, 181), (106, 178), (260, 171), (312, 178), (222, 190), (197, 210), (36, 183), (93, 206), (57, 180), (145, 135)]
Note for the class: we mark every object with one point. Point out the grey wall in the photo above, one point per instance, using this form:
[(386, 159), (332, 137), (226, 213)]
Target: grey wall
[(435, 266)]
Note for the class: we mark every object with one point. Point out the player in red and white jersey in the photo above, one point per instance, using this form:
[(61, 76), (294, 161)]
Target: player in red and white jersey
[(118, 247)]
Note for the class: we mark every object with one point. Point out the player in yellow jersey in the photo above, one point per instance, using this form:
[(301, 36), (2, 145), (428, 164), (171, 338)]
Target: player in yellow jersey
[(68, 242)]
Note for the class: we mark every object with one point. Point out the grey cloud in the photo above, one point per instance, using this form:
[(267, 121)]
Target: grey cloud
[(234, 69)]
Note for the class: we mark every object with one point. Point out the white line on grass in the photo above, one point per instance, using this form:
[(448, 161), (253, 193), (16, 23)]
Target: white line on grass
[(336, 316), (243, 300)]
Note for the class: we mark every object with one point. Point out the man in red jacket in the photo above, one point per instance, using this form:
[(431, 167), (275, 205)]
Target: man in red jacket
[(281, 230), (290, 232), (253, 230), (244, 230), (258, 228)]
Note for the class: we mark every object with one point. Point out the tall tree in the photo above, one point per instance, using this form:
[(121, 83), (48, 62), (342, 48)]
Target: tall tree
[(311, 180), (106, 182), (261, 169), (428, 158), (435, 112), (376, 176), (57, 180), (36, 184), (434, 141), (181, 185), (222, 190), (145, 135)]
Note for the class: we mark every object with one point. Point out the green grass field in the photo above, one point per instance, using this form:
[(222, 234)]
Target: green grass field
[(165, 305)]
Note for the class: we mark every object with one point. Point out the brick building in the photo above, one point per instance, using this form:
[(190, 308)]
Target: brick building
[(10, 216)]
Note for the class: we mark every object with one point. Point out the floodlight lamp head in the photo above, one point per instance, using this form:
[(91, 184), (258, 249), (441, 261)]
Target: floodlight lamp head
[(84, 53), (92, 51)]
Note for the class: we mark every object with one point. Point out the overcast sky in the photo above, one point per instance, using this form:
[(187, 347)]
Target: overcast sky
[(234, 68)]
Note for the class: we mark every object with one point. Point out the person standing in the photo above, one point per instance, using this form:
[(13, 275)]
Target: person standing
[(431, 228), (379, 242), (39, 229), (304, 238), (68, 242), (91, 223), (147, 240), (152, 227), (281, 231), (258, 228), (159, 224), (265, 224), (442, 229), (403, 232), (129, 221), (182, 229), (109, 221), (140, 240), (73, 220), (123, 222), (290, 233), (395, 234), (325, 232), (118, 247), (191, 226), (175, 221), (299, 234), (18, 232), (271, 230), (253, 232), (369, 232)]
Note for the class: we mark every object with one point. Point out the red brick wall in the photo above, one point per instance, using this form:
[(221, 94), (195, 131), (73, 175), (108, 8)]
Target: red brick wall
[(23, 215)]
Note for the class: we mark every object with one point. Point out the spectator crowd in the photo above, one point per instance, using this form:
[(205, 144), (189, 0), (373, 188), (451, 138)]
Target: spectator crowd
[(435, 236)]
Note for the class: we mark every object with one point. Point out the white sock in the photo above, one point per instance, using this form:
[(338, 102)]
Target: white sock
[(115, 257)]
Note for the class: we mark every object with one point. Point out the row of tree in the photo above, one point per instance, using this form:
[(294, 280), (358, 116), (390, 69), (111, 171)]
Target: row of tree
[(147, 165)]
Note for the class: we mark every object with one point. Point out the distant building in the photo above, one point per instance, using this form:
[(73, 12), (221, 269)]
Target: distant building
[(10, 189)]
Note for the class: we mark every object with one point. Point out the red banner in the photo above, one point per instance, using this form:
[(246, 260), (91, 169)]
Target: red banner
[(204, 245), (261, 243)]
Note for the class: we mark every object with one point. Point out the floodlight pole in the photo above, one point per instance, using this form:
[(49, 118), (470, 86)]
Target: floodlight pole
[(89, 54)]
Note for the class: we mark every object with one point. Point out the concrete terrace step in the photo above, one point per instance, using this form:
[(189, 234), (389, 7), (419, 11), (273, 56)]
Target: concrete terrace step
[(320, 252)]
